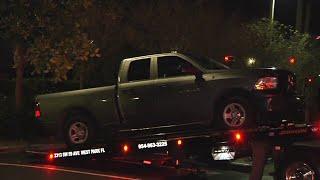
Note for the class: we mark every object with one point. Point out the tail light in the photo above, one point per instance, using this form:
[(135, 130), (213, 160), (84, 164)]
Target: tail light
[(37, 112), (266, 83), (125, 148), (238, 137), (50, 156), (147, 162)]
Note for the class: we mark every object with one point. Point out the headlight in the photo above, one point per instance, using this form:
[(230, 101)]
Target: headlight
[(266, 83)]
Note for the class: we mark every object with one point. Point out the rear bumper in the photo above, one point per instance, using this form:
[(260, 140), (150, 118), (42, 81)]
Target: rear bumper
[(272, 109)]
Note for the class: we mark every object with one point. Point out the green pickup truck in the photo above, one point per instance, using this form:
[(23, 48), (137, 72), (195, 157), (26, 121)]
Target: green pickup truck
[(169, 91)]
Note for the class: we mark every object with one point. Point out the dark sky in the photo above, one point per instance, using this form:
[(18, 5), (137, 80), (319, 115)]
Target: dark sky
[(250, 8), (315, 17), (285, 11)]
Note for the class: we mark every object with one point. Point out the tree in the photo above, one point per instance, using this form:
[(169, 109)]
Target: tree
[(65, 44), (17, 25), (272, 44), (47, 35)]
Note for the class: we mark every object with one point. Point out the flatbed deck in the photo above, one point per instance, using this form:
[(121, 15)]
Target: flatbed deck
[(285, 131), (138, 141)]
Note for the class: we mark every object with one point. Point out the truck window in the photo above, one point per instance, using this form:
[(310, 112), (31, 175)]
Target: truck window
[(139, 70), (172, 66)]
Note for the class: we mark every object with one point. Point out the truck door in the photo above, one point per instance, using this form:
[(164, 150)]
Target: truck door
[(180, 98), (135, 93)]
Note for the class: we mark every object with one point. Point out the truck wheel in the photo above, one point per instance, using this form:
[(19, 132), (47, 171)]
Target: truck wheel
[(300, 170), (234, 113), (79, 130)]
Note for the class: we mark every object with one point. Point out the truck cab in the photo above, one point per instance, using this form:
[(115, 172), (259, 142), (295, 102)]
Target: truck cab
[(162, 90)]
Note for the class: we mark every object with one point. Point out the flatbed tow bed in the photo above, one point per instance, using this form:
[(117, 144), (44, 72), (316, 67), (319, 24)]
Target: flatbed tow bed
[(172, 149)]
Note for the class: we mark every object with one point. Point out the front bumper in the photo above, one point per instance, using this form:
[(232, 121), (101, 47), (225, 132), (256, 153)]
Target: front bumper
[(272, 109)]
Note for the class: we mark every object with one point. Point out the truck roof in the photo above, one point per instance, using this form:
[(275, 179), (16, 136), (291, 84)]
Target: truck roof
[(152, 55)]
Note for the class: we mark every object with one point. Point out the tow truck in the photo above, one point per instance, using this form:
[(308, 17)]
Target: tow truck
[(293, 148)]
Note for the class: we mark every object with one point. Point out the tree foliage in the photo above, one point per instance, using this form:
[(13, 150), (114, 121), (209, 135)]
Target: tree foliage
[(53, 34), (273, 43)]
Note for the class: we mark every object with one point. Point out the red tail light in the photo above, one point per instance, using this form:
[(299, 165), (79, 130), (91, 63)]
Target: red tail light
[(266, 83), (147, 162), (50, 157), (125, 148), (37, 112), (238, 137)]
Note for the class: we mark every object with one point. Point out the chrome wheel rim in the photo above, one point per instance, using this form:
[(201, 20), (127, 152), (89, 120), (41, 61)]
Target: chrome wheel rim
[(300, 171), (78, 133), (234, 115)]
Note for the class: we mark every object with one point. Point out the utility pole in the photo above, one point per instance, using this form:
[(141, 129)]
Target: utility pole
[(272, 6), (307, 16), (299, 15)]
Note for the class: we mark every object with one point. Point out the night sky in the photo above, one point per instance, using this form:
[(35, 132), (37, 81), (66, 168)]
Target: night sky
[(285, 11)]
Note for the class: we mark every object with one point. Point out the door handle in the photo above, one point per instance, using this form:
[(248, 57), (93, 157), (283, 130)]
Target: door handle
[(163, 86)]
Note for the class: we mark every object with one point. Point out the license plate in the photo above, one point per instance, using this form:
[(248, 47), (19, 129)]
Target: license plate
[(222, 153)]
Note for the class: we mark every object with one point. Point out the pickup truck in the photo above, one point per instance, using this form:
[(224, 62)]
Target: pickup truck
[(169, 91)]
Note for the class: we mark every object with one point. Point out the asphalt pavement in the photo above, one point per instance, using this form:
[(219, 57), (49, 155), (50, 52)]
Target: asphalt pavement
[(19, 165)]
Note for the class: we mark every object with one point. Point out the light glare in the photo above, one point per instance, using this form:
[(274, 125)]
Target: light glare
[(251, 61)]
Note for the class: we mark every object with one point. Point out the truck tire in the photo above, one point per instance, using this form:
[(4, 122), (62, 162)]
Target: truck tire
[(299, 169), (79, 130), (235, 113)]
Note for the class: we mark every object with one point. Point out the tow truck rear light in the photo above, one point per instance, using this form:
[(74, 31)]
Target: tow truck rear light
[(50, 156), (147, 162), (277, 148), (238, 137), (125, 148), (266, 83), (177, 162)]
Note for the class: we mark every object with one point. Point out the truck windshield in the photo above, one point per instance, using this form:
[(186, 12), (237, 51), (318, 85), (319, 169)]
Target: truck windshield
[(207, 63)]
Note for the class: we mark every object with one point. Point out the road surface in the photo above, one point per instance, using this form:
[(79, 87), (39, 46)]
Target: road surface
[(17, 166)]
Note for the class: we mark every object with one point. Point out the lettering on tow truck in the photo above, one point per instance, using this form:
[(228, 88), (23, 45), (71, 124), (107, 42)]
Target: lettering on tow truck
[(79, 153), (161, 143), (85, 152), (76, 153), (57, 155), (288, 132)]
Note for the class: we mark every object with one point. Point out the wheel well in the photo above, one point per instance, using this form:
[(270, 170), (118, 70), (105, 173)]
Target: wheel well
[(76, 110), (231, 93)]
